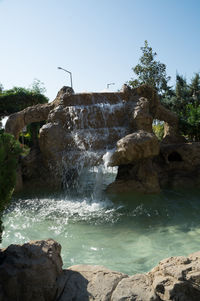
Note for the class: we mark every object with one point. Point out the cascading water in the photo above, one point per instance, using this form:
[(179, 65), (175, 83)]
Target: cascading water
[(93, 131), (129, 233)]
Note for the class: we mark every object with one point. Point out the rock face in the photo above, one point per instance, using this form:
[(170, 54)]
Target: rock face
[(134, 157), (135, 147), (140, 177), (33, 271), (178, 165), (81, 128)]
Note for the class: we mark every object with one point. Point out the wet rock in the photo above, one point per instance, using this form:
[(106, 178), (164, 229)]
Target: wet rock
[(140, 177)]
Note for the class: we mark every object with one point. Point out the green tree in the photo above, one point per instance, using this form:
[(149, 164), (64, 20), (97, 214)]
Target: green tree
[(194, 88), (190, 121), (151, 72), (186, 104), (1, 88), (9, 153), (37, 87)]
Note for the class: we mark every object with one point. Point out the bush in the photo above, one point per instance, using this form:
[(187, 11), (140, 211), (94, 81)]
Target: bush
[(17, 99), (9, 153), (158, 130)]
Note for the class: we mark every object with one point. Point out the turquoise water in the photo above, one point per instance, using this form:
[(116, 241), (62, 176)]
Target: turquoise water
[(127, 233)]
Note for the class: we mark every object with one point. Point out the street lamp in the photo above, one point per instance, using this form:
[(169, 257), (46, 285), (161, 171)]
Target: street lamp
[(109, 85), (69, 74)]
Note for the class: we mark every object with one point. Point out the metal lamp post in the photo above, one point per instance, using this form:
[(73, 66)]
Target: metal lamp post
[(109, 85), (69, 74)]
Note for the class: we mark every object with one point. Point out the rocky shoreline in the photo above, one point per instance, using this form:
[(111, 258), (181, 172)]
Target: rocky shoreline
[(33, 271)]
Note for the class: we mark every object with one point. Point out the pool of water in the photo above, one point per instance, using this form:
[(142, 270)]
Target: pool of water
[(128, 233)]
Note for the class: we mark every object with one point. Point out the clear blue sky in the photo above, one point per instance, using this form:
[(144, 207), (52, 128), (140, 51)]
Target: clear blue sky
[(98, 40)]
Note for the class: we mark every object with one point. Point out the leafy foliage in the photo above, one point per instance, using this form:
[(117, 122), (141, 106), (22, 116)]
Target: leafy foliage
[(9, 153), (17, 98), (38, 87), (158, 130), (186, 104), (1, 88), (190, 122), (150, 72)]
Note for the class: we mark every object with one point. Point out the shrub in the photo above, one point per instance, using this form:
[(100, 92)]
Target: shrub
[(17, 99), (9, 153), (158, 130)]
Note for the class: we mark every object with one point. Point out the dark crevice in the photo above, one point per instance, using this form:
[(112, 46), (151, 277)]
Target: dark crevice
[(174, 157)]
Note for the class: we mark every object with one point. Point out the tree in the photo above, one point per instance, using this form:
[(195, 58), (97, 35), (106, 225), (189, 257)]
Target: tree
[(151, 72), (1, 88), (37, 87), (194, 88), (186, 104)]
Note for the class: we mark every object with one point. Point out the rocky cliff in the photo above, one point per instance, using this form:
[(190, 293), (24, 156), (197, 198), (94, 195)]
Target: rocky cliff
[(34, 271)]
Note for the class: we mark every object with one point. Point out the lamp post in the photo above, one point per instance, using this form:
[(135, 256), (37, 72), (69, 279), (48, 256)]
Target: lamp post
[(109, 85), (69, 74)]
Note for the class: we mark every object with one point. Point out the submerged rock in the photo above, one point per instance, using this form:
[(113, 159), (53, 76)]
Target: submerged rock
[(33, 272)]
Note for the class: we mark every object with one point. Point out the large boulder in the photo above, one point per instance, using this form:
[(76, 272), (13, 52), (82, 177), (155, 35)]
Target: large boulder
[(135, 147), (31, 271)]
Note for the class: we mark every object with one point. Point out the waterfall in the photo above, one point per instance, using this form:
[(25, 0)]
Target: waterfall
[(94, 123)]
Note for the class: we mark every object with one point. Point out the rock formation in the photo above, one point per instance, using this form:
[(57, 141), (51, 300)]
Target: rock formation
[(34, 271), (31, 271), (81, 128)]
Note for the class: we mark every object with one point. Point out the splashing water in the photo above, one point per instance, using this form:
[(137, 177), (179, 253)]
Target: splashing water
[(130, 234)]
